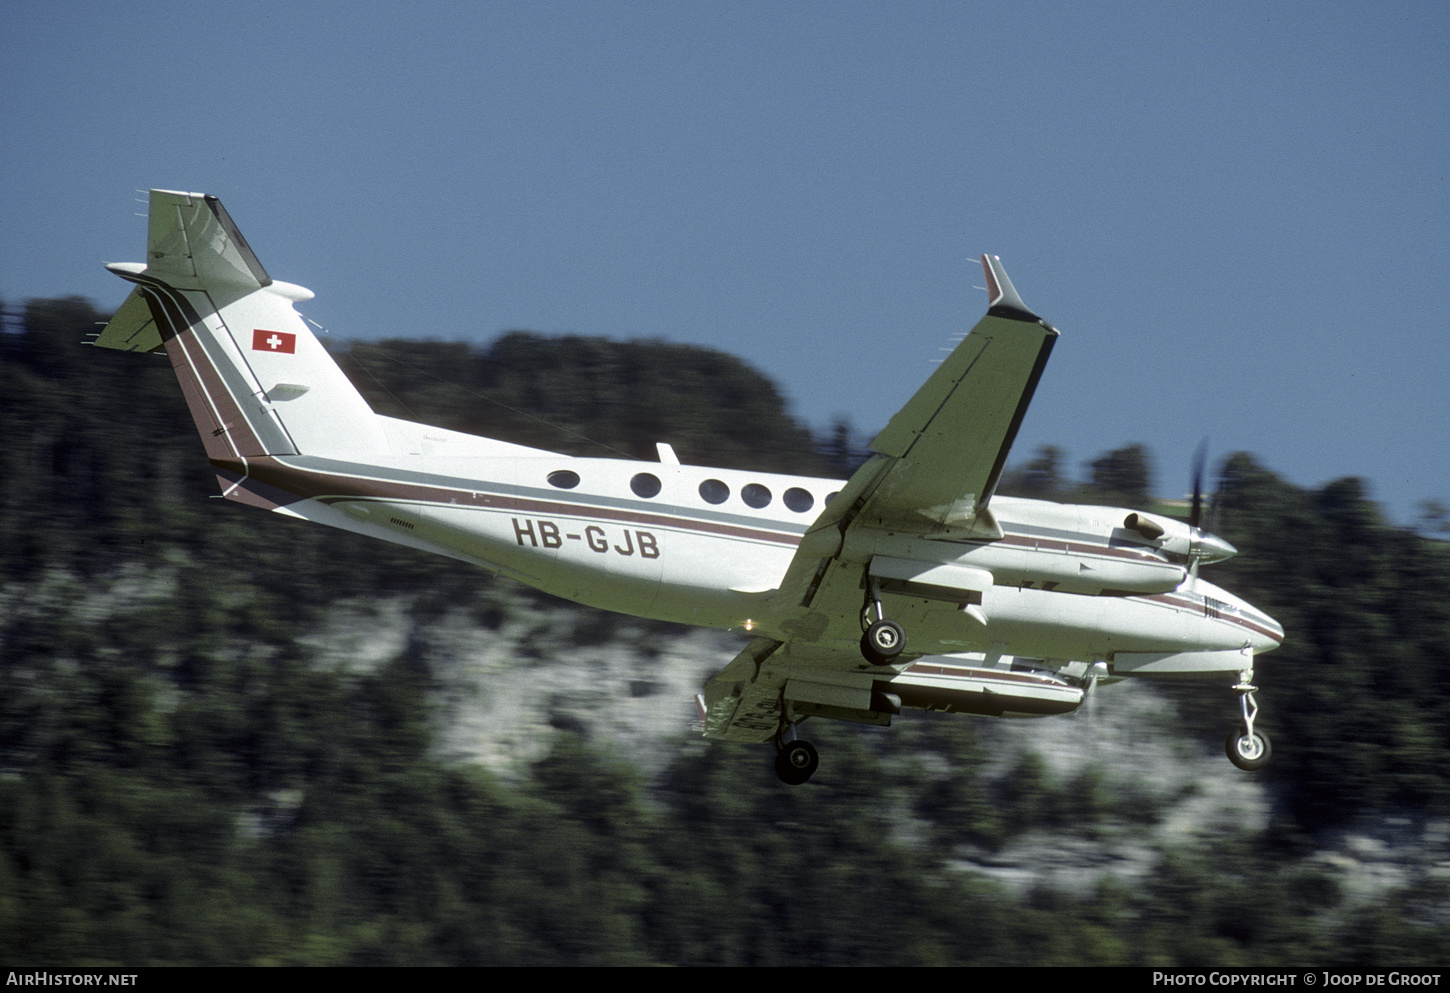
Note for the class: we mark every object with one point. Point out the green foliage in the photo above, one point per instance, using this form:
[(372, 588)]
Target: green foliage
[(1123, 477), (183, 781), (590, 396), (1358, 697), (1041, 478)]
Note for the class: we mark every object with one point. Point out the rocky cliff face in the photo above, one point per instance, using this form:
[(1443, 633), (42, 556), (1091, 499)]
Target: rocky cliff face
[(628, 686)]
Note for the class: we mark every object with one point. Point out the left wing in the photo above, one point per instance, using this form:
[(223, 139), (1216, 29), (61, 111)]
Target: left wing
[(948, 445), (739, 706), (935, 468), (748, 698), (938, 461)]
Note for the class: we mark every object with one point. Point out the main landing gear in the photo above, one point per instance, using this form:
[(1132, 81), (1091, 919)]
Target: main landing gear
[(795, 761), (883, 640), (1247, 748)]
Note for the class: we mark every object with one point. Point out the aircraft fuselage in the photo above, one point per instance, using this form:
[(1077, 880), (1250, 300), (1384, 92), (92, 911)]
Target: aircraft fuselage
[(1067, 583)]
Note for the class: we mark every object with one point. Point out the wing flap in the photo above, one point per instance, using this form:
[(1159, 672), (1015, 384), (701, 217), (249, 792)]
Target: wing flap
[(738, 706)]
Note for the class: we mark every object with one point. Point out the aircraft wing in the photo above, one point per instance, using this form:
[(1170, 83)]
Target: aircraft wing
[(939, 459), (948, 444), (935, 468)]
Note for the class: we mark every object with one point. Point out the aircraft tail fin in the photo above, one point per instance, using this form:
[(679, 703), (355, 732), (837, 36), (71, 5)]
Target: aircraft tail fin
[(257, 381)]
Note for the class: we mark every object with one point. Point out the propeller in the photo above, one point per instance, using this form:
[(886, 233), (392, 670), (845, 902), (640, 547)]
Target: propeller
[(1203, 546)]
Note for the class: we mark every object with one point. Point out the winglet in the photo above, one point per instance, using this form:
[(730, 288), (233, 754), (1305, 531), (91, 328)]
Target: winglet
[(1003, 300)]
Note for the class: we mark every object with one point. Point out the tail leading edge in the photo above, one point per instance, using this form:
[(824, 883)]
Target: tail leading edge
[(257, 381)]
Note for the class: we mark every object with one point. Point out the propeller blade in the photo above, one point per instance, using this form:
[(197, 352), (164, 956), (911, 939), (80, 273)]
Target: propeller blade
[(1200, 457)]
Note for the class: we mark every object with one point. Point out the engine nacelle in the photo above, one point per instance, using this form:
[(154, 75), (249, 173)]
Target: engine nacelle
[(954, 570)]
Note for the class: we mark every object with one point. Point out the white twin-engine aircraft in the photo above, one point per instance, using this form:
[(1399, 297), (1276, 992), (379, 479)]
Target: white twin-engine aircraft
[(908, 585)]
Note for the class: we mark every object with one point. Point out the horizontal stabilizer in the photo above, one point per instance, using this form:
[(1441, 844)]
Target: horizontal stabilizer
[(132, 328)]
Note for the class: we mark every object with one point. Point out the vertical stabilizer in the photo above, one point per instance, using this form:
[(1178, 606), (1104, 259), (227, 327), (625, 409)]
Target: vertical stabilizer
[(258, 382)]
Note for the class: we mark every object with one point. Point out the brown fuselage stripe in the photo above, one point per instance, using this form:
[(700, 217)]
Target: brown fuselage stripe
[(1198, 607), (221, 422), (329, 488)]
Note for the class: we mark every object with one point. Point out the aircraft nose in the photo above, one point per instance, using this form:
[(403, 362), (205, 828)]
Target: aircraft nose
[(1268, 633)]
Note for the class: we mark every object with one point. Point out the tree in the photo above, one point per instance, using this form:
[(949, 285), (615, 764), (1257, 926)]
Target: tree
[(1122, 476), (1040, 479)]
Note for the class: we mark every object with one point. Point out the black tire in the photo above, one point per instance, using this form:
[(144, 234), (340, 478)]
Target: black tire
[(796, 762), (1249, 752), (882, 642)]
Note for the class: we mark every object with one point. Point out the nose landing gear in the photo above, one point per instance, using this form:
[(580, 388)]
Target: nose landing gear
[(1247, 748)]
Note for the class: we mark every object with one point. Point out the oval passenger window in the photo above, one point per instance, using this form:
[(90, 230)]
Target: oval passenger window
[(798, 500), (565, 479), (755, 495), (645, 484), (714, 491)]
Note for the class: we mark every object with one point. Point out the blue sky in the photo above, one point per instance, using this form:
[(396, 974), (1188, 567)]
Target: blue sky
[(1237, 214)]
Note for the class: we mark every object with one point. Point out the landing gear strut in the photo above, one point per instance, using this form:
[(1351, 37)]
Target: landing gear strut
[(1247, 748)]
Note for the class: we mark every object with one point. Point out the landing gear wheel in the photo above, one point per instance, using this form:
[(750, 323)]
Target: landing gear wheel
[(882, 642), (796, 762), (1249, 750)]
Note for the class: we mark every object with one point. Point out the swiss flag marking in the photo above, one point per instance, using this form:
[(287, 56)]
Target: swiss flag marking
[(273, 341)]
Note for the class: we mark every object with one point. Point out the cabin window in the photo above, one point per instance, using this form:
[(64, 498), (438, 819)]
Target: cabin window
[(798, 500), (565, 479), (714, 491), (755, 495), (645, 484), (829, 497)]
